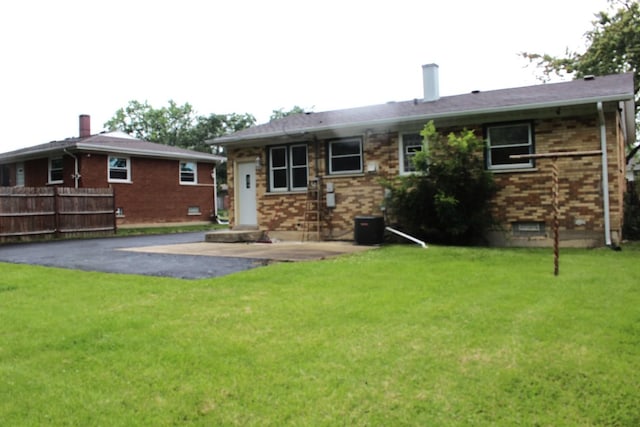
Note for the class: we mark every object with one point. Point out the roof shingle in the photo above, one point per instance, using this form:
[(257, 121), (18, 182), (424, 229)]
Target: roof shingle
[(606, 88)]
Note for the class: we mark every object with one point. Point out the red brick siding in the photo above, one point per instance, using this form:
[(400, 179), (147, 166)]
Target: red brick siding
[(155, 194)]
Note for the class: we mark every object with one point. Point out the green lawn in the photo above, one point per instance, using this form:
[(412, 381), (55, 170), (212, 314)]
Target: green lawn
[(390, 337)]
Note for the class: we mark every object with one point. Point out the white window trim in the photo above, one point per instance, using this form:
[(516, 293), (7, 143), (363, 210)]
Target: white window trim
[(50, 169), (194, 211), (292, 167), (351, 171), (288, 168), (195, 173), (128, 168), (272, 189), (510, 166), (401, 151)]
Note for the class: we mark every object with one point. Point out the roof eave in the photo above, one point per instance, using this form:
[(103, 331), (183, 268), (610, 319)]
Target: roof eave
[(104, 148), (34, 154), (230, 141)]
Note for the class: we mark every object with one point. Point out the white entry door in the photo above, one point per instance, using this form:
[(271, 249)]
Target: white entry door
[(246, 191), (20, 174)]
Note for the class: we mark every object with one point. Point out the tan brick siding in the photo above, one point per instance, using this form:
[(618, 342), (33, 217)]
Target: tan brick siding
[(523, 195)]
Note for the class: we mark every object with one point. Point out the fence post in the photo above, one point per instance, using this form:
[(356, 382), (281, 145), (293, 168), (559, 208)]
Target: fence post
[(113, 209), (56, 210)]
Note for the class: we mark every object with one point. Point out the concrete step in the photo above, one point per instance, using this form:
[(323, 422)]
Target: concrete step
[(236, 236)]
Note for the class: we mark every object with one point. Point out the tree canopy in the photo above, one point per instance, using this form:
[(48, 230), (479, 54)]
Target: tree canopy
[(176, 125), (613, 46), (280, 113)]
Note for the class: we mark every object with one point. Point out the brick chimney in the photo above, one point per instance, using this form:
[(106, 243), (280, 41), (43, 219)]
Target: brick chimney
[(85, 125)]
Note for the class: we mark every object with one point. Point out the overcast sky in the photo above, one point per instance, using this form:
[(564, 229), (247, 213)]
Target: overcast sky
[(63, 58)]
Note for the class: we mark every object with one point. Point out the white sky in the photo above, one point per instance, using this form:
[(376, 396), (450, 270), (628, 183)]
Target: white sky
[(63, 58)]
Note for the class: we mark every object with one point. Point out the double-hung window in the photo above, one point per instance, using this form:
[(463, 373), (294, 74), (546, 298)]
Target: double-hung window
[(188, 173), (288, 168), (506, 140), (345, 156), (119, 169), (56, 170), (410, 144)]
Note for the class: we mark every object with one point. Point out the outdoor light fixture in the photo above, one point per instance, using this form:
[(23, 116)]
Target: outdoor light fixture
[(258, 163)]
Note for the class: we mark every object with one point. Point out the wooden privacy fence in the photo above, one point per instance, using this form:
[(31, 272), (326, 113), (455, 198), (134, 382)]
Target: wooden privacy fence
[(28, 213)]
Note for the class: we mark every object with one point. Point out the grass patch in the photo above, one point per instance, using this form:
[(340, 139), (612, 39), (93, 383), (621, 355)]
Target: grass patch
[(394, 336)]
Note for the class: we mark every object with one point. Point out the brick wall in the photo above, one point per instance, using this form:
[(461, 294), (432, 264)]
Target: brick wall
[(523, 196), (155, 194)]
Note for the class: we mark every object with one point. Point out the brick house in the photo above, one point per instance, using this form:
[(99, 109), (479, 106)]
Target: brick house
[(349, 150), (153, 183)]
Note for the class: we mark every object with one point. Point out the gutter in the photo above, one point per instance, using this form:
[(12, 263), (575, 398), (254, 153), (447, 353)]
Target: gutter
[(76, 175), (25, 154), (605, 176), (148, 153)]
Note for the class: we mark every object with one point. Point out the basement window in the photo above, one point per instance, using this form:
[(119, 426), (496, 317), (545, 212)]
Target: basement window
[(193, 210), (120, 212), (528, 228)]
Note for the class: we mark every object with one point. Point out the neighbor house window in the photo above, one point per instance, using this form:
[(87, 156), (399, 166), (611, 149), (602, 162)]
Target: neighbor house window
[(410, 144), (56, 170), (288, 168), (188, 172), (119, 169), (345, 156), (506, 140)]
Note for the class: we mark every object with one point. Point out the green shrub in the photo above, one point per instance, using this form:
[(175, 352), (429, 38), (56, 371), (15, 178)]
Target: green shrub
[(631, 227), (447, 200)]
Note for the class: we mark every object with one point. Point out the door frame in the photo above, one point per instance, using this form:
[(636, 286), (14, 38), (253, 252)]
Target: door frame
[(250, 164)]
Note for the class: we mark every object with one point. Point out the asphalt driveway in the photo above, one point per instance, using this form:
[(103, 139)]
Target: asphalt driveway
[(114, 255), (182, 255)]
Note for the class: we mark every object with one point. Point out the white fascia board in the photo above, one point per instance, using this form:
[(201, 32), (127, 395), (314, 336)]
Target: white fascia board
[(35, 154), (104, 148), (231, 141)]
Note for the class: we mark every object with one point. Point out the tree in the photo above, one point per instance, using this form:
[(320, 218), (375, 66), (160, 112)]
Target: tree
[(447, 200), (278, 114), (613, 46), (178, 125)]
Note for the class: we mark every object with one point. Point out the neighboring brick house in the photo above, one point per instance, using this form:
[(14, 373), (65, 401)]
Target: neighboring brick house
[(153, 183), (350, 150)]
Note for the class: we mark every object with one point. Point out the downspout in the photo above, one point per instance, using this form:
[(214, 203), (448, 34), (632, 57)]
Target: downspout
[(76, 175), (215, 194), (605, 176)]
